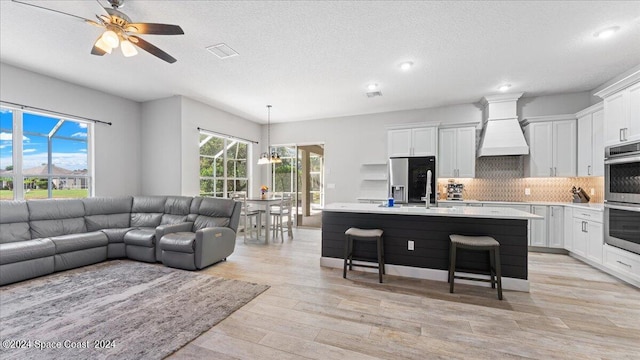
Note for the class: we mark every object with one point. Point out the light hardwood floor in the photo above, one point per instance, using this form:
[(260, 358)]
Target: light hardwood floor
[(572, 312)]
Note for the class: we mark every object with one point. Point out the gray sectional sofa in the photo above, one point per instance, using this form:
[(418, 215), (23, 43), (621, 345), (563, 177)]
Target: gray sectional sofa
[(39, 237)]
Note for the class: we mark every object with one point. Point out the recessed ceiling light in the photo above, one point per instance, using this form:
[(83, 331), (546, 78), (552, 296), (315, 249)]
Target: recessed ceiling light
[(405, 66), (372, 86), (605, 33), (504, 87)]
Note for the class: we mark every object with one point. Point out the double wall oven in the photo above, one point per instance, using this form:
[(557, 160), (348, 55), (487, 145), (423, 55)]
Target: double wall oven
[(622, 196)]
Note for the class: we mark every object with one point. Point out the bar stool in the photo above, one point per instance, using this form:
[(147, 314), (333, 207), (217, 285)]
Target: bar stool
[(479, 243), (365, 235)]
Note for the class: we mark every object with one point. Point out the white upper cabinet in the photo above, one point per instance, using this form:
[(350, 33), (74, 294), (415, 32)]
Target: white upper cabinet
[(622, 110), (457, 152), (552, 146), (591, 141), (412, 142)]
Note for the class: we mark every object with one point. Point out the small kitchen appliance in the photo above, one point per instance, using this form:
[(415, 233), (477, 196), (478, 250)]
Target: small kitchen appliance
[(454, 191)]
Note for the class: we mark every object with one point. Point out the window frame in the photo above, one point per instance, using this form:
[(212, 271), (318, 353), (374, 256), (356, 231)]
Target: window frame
[(227, 174), (18, 176)]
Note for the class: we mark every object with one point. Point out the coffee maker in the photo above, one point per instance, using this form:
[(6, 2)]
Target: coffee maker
[(454, 191)]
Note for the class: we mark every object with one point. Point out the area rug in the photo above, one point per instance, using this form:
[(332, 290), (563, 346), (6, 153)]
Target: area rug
[(114, 310)]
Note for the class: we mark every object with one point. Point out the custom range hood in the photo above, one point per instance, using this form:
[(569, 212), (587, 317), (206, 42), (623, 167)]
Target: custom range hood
[(501, 132)]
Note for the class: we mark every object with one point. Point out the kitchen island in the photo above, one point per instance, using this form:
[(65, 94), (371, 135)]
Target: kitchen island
[(429, 230)]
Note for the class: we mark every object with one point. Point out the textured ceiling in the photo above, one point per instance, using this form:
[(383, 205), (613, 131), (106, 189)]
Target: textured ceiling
[(313, 59)]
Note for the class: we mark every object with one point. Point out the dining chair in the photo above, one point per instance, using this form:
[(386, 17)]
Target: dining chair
[(248, 215), (278, 213)]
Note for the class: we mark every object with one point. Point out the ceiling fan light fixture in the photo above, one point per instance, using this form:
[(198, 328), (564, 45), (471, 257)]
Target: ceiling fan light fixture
[(102, 45), (111, 38), (128, 49)]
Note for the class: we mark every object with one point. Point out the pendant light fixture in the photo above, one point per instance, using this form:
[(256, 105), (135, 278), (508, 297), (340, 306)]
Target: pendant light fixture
[(270, 156)]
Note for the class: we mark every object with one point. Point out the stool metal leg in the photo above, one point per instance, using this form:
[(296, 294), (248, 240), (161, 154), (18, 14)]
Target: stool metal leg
[(380, 262), (498, 271), (347, 251), (452, 266), (492, 268)]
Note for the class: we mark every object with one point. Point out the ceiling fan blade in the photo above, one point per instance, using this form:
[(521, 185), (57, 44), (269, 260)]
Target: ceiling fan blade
[(152, 49), (94, 23), (52, 10), (155, 29)]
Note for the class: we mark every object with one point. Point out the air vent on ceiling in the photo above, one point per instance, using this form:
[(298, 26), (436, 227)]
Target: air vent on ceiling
[(222, 51), (374, 94)]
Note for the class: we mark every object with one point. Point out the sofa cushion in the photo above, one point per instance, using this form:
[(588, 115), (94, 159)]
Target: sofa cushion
[(215, 207), (183, 242), (74, 242), (105, 213), (207, 221), (214, 212), (140, 237), (14, 221), (48, 218), (116, 235), (147, 211), (26, 250)]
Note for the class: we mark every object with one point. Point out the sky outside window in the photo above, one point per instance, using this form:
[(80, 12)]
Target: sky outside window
[(6, 138)]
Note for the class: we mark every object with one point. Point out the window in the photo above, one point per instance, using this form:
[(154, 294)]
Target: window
[(223, 166), (48, 155), (6, 154)]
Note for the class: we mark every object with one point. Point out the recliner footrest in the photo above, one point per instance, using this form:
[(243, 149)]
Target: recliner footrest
[(183, 242)]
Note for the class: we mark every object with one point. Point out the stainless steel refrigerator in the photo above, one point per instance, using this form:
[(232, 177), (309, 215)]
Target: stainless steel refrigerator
[(408, 179)]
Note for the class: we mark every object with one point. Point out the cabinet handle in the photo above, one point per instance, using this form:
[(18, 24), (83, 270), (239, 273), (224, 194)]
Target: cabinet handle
[(620, 262), (625, 133), (588, 169), (555, 171)]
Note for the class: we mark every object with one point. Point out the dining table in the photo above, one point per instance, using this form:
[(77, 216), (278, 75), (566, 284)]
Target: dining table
[(265, 203)]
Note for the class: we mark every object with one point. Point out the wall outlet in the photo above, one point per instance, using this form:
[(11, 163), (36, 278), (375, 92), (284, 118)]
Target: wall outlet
[(527, 191), (593, 191), (410, 245)]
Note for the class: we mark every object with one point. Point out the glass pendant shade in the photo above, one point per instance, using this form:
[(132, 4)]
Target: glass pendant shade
[(264, 159), (102, 45), (128, 49), (111, 38)]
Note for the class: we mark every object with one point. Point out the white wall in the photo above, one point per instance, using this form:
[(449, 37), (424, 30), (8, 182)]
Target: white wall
[(161, 147), (354, 140), (558, 104), (117, 149), (196, 114)]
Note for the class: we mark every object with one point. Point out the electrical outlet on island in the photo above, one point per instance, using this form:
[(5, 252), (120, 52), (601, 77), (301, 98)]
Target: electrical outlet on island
[(410, 245)]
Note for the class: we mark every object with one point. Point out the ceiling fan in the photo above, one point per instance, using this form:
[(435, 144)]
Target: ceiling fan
[(121, 31)]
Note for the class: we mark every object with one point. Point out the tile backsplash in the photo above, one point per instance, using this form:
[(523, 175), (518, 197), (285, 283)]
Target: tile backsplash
[(500, 178)]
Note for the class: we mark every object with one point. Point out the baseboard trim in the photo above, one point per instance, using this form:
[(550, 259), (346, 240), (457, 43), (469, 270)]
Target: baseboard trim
[(428, 274)]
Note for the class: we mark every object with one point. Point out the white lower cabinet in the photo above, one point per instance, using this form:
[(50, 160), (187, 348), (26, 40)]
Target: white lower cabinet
[(555, 227), (623, 262), (588, 234), (538, 235), (568, 228)]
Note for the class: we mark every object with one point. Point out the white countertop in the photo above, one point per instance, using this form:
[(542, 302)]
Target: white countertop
[(463, 211), (589, 206)]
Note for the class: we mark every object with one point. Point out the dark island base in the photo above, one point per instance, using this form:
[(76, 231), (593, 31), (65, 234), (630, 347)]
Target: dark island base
[(431, 240)]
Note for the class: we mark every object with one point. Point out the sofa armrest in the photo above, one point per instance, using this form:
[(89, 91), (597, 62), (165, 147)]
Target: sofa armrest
[(213, 244), (163, 230)]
